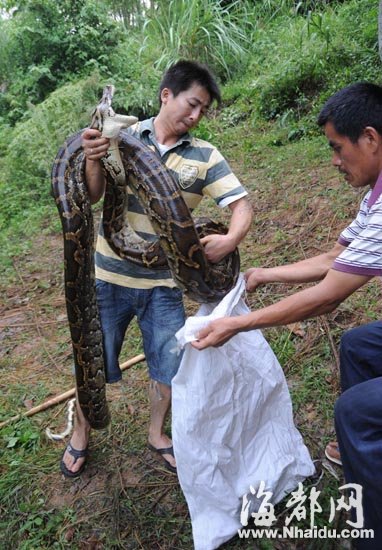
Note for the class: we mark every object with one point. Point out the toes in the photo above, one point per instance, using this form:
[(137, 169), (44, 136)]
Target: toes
[(170, 459), (71, 463)]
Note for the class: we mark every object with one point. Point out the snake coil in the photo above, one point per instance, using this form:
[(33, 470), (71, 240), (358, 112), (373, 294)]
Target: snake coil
[(177, 248)]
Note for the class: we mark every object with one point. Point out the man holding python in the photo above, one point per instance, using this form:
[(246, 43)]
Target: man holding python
[(125, 290)]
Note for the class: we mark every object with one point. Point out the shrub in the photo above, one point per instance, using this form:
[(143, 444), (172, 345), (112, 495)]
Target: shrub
[(44, 44), (297, 61), (33, 143)]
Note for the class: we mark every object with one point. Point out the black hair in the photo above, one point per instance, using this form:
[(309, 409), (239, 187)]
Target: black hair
[(352, 109), (183, 74)]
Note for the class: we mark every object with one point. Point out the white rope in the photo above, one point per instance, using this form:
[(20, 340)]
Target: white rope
[(62, 435)]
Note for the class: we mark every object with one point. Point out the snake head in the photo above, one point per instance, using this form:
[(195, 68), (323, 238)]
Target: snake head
[(103, 108), (106, 120)]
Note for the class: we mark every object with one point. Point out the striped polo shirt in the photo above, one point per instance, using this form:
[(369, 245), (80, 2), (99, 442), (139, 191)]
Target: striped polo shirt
[(199, 169), (363, 238)]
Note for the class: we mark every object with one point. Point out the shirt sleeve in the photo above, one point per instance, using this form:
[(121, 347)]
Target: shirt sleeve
[(363, 241), (356, 226), (221, 184)]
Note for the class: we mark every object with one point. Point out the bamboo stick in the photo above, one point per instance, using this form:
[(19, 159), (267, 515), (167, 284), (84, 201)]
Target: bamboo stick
[(63, 396)]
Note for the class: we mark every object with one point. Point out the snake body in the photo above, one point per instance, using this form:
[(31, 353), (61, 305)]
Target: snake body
[(178, 246)]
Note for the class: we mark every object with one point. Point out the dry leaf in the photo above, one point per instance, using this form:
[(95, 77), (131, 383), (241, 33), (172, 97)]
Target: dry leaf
[(69, 534), (297, 329), (311, 415)]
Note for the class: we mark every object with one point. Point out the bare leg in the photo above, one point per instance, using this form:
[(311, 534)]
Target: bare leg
[(79, 440), (160, 400)]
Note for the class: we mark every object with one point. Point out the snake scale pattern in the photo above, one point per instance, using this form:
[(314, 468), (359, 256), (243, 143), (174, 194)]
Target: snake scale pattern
[(178, 247)]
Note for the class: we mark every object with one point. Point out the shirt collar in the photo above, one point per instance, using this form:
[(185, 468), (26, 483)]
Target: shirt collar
[(147, 127), (375, 192)]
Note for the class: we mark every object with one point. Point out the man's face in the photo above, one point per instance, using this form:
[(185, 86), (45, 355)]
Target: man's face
[(184, 111), (357, 161)]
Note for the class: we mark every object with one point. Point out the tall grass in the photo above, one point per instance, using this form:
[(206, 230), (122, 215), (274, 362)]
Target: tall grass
[(199, 29), (297, 61)]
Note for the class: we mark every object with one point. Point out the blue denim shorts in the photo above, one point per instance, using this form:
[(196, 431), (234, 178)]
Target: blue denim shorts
[(160, 314)]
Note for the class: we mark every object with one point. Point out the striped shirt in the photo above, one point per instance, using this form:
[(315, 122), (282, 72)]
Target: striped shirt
[(199, 169), (363, 238)]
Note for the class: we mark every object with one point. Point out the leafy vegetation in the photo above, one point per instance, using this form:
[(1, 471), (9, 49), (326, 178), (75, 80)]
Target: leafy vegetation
[(48, 43), (277, 61), (202, 29)]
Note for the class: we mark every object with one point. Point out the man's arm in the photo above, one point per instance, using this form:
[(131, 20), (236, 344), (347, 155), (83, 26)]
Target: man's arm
[(95, 147), (305, 271), (310, 302), (218, 246)]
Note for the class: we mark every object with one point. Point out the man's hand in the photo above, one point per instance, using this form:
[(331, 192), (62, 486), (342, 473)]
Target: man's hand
[(216, 247), (94, 145), (216, 333), (254, 277)]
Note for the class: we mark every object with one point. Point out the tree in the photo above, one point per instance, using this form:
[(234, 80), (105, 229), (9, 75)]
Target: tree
[(47, 42)]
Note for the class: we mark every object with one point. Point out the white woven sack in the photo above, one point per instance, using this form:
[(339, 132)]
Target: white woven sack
[(232, 425)]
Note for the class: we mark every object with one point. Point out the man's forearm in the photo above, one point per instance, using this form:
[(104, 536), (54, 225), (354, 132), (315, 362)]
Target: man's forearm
[(95, 180), (300, 306), (310, 302), (306, 271), (294, 308), (241, 219)]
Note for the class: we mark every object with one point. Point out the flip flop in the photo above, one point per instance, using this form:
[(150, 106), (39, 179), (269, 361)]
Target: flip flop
[(165, 451), (76, 455), (330, 447)]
